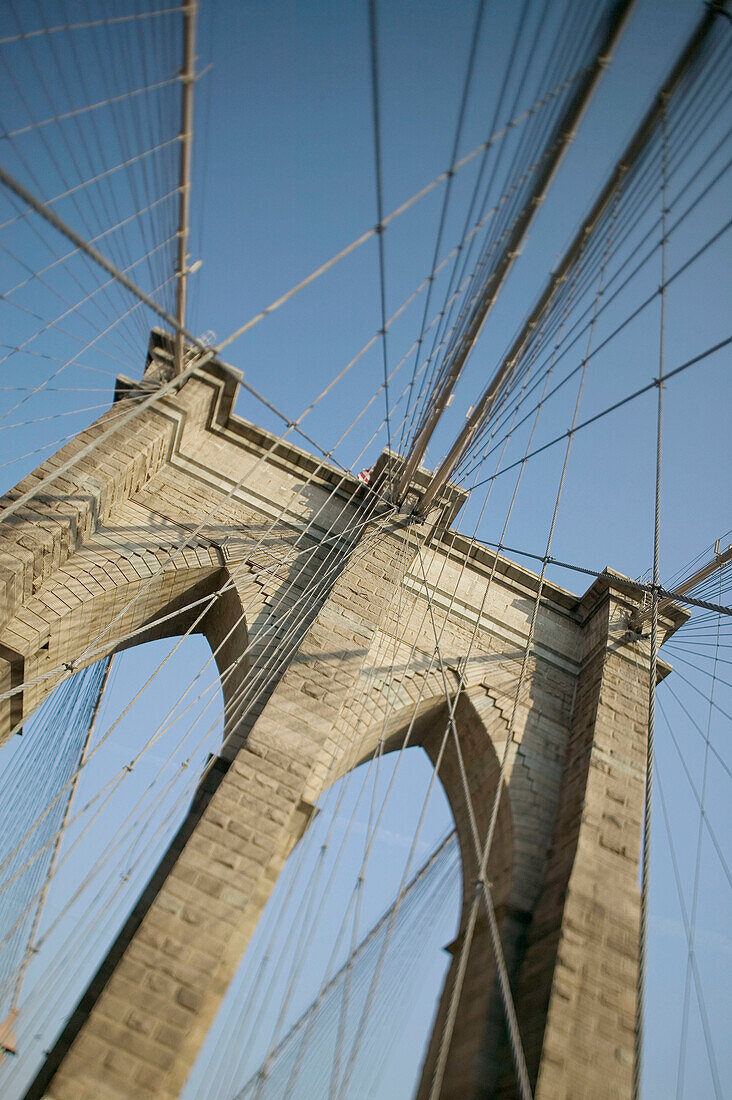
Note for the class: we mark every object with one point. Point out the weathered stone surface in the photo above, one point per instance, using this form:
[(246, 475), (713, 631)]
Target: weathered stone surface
[(324, 595)]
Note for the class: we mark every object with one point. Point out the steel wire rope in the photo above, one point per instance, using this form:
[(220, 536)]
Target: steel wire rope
[(358, 905), (72, 361), (441, 178), (154, 168), (705, 672), (89, 297), (176, 382), (79, 929), (679, 196), (417, 888), (148, 168), (49, 150), (308, 922), (53, 416), (129, 767), (199, 235), (513, 187), (377, 972), (492, 126), (133, 832), (408, 732), (694, 688), (691, 646), (93, 240), (55, 324), (653, 665), (704, 817), (376, 123), (639, 586), (105, 174), (625, 400), (540, 83), (443, 745), (77, 952), (82, 143), (388, 219), (312, 405), (639, 265), (469, 214), (33, 937), (337, 378), (687, 571), (514, 1037), (462, 107), (695, 725), (554, 306), (365, 700), (81, 951), (89, 107), (44, 447), (307, 1017), (464, 316), (32, 910), (703, 1015), (341, 795), (86, 25), (607, 304), (715, 658), (220, 1079), (75, 307), (376, 1048), (456, 992), (547, 123), (41, 83)]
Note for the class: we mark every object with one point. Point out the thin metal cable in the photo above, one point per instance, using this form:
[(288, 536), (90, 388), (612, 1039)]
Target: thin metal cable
[(374, 58), (703, 816), (681, 1066), (653, 666), (514, 1038), (111, 20), (703, 1014)]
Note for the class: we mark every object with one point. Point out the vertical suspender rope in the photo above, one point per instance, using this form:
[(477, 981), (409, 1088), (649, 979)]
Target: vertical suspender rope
[(652, 672), (482, 887), (7, 1038), (60, 833), (186, 145), (374, 52)]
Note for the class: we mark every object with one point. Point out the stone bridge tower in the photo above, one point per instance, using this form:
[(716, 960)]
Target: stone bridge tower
[(95, 564)]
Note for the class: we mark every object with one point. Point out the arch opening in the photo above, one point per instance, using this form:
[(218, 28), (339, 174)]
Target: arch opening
[(117, 819), (369, 838)]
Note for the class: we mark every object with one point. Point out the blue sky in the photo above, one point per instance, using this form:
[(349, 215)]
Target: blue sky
[(284, 178)]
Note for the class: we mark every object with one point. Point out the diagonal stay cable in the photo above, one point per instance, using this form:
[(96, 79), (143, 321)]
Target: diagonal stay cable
[(376, 112), (703, 1014)]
